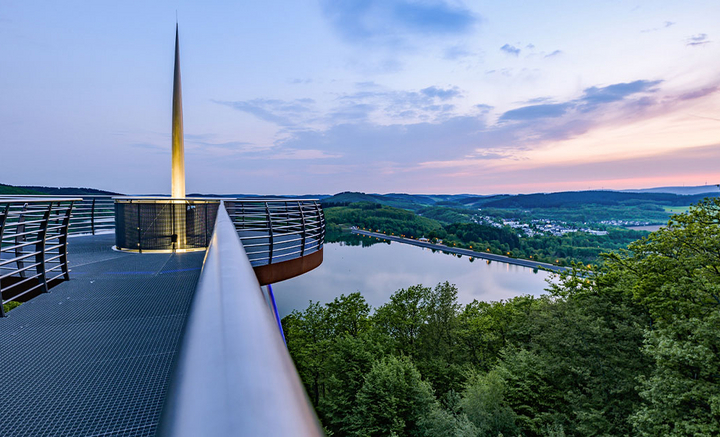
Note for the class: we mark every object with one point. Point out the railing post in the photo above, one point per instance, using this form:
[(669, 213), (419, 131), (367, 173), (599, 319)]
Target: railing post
[(270, 229), (21, 239), (303, 234), (139, 228), (92, 215), (3, 219), (207, 232), (40, 249), (63, 240), (321, 218)]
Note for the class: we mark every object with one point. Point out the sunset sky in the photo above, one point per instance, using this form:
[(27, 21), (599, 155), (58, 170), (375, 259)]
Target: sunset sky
[(320, 96)]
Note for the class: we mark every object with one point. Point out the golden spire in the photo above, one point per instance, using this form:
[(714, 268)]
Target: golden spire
[(178, 144)]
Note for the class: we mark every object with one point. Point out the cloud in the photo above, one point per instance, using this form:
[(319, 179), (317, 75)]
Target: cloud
[(655, 29), (536, 111), (553, 54), (695, 94), (151, 146), (512, 50), (231, 145), (298, 81), (366, 84), (442, 94), (456, 52), (280, 112), (591, 99), (391, 21), (616, 92), (698, 40), (396, 135), (429, 104), (298, 154)]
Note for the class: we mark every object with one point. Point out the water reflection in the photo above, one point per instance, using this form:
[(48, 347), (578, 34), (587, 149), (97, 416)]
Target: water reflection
[(378, 270)]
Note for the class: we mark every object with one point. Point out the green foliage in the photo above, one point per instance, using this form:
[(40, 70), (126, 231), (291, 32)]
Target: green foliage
[(675, 273), (576, 246), (379, 217), (393, 400), (630, 348), (483, 402), (10, 305), (9, 189)]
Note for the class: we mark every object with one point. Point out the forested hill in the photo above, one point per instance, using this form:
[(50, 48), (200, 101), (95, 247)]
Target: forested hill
[(52, 191), (9, 189), (572, 198), (564, 199), (69, 191)]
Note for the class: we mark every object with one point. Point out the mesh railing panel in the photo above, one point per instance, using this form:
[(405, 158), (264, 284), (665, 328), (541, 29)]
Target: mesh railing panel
[(164, 225)]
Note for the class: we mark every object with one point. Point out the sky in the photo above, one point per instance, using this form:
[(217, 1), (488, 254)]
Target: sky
[(322, 96)]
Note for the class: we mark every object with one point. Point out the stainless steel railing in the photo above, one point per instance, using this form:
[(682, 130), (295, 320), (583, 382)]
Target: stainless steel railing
[(91, 213), (276, 230), (33, 244), (234, 375)]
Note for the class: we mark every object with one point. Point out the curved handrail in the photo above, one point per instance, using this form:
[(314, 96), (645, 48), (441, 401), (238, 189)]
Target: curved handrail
[(277, 230), (234, 375), (92, 213), (33, 244)]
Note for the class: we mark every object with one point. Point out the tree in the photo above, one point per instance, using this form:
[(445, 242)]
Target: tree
[(393, 400), (675, 273), (484, 405)]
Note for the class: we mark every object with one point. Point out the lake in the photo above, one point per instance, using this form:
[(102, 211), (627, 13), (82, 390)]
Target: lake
[(379, 270), (649, 228)]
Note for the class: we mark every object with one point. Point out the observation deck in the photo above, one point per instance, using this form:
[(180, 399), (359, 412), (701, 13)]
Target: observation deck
[(176, 343)]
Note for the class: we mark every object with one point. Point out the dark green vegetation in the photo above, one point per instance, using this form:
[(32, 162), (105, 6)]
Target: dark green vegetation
[(375, 216), (630, 349), (9, 189), (570, 206), (561, 250), (10, 305), (52, 191)]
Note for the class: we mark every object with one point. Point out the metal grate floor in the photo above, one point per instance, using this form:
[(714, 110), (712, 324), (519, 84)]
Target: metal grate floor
[(93, 357)]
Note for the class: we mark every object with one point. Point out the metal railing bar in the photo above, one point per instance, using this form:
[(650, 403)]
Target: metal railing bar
[(23, 293), (231, 331)]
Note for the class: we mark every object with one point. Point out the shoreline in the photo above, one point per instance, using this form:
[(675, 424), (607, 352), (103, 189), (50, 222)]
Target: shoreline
[(467, 252)]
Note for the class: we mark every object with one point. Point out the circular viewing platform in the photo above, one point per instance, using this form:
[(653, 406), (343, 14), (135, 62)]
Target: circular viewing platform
[(282, 238)]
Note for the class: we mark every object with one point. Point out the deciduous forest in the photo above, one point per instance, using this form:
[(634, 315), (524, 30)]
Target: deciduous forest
[(627, 347)]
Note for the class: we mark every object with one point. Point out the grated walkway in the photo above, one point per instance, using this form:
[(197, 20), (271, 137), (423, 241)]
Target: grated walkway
[(93, 357)]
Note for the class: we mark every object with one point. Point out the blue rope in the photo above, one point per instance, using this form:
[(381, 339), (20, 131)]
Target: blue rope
[(277, 316)]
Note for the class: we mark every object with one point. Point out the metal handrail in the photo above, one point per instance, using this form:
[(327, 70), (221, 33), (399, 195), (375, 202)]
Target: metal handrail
[(33, 243), (91, 213), (277, 230), (234, 375)]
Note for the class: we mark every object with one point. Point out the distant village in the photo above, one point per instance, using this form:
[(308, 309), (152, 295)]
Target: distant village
[(538, 227)]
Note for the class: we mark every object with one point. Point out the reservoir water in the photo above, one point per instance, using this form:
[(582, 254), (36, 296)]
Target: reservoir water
[(379, 270)]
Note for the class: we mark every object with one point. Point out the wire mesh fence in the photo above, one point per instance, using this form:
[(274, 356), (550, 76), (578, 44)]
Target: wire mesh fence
[(161, 224)]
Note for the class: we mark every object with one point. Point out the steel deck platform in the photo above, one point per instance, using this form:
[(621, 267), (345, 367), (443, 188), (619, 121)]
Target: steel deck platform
[(93, 357)]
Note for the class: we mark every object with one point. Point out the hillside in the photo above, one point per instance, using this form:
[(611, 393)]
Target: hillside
[(10, 189), (684, 191), (68, 191)]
